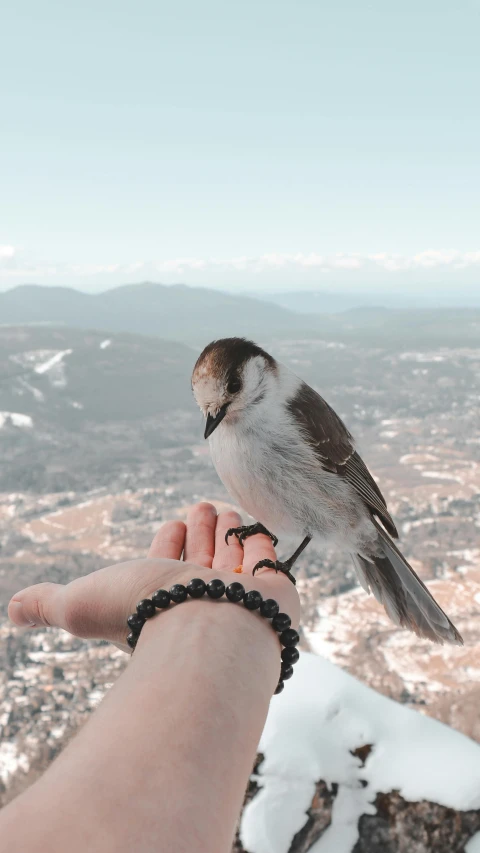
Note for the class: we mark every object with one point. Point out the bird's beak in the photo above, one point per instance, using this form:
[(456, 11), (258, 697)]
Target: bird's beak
[(213, 422)]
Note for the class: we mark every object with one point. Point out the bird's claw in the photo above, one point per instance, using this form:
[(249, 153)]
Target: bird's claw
[(233, 531), (247, 530), (278, 566)]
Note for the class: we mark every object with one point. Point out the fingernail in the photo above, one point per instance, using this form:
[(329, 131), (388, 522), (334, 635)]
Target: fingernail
[(16, 609)]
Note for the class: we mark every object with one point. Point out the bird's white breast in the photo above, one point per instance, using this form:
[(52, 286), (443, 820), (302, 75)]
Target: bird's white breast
[(248, 470), (275, 475)]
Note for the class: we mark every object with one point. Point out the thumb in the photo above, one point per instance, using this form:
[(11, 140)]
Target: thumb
[(41, 604)]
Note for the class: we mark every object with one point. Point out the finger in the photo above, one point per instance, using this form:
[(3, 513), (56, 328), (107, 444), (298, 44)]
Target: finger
[(40, 604), (200, 535), (169, 541), (227, 556), (258, 547)]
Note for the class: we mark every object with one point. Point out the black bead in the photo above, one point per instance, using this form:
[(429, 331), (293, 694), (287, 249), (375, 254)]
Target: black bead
[(132, 640), (146, 608), (215, 588), (280, 687), (161, 598), (290, 654), (178, 593), (252, 600), (196, 587), (235, 591), (289, 637), (286, 671), (135, 622), (269, 608), (281, 622)]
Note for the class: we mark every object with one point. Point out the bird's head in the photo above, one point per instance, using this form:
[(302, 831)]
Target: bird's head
[(231, 377)]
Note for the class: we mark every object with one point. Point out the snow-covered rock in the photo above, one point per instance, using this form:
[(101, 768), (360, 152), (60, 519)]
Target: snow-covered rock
[(346, 770)]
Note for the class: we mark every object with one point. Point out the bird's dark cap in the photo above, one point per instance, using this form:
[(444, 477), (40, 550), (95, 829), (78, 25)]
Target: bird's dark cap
[(225, 357)]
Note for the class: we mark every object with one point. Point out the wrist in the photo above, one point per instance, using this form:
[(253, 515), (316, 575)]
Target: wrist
[(268, 584), (213, 640), (205, 602)]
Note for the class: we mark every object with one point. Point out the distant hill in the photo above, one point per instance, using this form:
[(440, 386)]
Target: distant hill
[(333, 302), (196, 315), (174, 312), (64, 376), (322, 301)]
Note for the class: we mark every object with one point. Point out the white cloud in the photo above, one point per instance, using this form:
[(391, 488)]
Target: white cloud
[(432, 258), (104, 269), (94, 269), (346, 262), (391, 262), (6, 253), (468, 259), (178, 265), (16, 267)]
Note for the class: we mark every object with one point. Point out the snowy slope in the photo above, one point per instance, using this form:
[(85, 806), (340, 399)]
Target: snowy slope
[(314, 725), (61, 377)]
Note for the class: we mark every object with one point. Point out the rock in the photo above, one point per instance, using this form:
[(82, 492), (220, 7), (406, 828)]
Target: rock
[(398, 826), (342, 769)]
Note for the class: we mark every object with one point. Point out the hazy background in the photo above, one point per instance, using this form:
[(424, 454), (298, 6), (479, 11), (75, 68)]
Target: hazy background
[(253, 146), (305, 174)]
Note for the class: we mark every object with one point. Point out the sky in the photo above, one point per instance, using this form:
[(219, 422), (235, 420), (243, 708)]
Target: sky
[(255, 146)]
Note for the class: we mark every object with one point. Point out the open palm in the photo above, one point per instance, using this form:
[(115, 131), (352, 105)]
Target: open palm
[(97, 605)]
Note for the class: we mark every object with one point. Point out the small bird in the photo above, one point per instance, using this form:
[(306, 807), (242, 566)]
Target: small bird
[(289, 461)]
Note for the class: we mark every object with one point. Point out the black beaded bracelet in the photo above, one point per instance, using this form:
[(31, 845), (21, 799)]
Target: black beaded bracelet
[(215, 589)]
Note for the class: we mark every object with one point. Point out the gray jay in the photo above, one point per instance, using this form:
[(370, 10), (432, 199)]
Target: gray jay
[(290, 462)]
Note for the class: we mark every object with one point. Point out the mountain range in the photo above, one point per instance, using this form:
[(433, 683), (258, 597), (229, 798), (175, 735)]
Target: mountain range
[(333, 301), (195, 315), (175, 313)]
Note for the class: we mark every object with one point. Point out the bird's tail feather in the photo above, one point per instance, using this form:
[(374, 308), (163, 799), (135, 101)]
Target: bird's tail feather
[(404, 596)]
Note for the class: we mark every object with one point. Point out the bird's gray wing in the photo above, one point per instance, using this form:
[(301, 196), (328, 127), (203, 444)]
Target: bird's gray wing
[(333, 445)]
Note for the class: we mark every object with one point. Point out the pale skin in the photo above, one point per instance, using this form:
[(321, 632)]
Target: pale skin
[(163, 763)]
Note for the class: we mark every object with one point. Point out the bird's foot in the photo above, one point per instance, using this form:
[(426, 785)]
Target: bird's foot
[(247, 530), (278, 566)]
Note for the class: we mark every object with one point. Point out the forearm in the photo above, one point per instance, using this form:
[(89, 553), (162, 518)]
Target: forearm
[(164, 761)]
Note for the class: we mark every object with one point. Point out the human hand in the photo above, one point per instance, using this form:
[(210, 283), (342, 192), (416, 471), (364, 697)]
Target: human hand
[(97, 605)]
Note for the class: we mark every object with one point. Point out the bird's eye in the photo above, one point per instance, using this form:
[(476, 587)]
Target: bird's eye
[(234, 385)]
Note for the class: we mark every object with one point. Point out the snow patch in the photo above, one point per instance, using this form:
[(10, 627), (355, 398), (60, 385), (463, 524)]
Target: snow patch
[(409, 525), (57, 732), (55, 359), (105, 344), (473, 846), (408, 458), (38, 395), (312, 729), (55, 368), (440, 475), (11, 760), (422, 357), (17, 419)]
